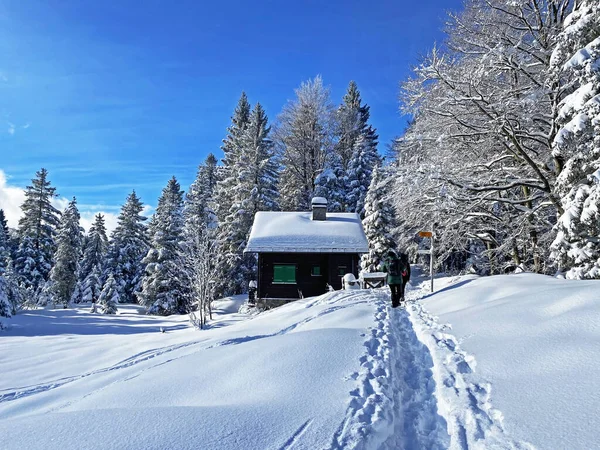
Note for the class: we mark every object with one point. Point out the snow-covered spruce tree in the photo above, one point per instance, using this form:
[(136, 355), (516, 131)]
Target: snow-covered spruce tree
[(198, 208), (330, 183), (576, 66), (304, 137), (15, 293), (4, 249), (164, 287), (37, 229), (4, 223), (109, 297), (127, 248), (352, 122), (360, 169), (5, 306), (379, 222), (256, 190), (69, 237), (77, 295), (92, 286), (95, 247), (227, 182)]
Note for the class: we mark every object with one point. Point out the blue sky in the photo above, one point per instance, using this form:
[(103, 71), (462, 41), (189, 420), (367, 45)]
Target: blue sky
[(120, 95)]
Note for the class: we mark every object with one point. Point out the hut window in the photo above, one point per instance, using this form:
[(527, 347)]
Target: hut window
[(284, 273), (316, 271), (342, 270)]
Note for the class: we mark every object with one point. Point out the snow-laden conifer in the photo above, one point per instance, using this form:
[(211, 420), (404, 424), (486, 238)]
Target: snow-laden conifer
[(379, 222), (255, 190), (360, 167), (109, 297), (4, 249), (95, 247), (331, 183), (164, 288), (127, 248), (576, 63), (37, 229), (227, 182), (69, 238), (198, 207), (5, 306), (352, 122), (92, 286)]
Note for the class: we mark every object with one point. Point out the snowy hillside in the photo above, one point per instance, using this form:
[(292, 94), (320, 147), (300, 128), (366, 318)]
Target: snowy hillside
[(515, 369)]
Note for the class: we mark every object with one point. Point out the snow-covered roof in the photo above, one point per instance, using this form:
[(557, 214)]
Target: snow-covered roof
[(296, 232)]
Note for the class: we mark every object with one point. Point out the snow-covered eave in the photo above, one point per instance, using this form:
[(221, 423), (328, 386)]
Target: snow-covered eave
[(306, 250)]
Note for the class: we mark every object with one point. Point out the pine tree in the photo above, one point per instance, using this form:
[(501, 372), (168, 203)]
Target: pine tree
[(352, 122), (198, 211), (95, 248), (37, 229), (4, 249), (225, 186), (304, 138), (69, 238), (127, 248), (13, 293), (360, 168), (77, 295), (164, 288), (5, 307), (4, 223), (330, 184), (576, 64), (92, 286), (378, 223), (255, 190), (109, 297)]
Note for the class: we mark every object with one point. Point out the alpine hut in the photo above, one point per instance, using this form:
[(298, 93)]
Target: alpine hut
[(301, 253)]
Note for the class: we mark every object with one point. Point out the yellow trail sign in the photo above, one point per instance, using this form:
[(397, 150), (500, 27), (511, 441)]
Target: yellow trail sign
[(426, 234)]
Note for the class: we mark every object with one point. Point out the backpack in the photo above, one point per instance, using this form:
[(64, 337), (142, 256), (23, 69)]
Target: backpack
[(398, 265), (394, 267)]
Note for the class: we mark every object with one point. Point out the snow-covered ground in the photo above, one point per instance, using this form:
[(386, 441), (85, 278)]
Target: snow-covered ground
[(516, 368)]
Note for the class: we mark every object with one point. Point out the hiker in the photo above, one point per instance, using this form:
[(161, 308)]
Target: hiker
[(397, 268)]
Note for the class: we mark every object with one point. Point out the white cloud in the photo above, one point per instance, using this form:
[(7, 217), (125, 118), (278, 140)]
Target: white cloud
[(110, 219), (60, 203), (11, 128), (11, 198)]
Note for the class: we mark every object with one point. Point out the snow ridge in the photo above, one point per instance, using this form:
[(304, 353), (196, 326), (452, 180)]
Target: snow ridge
[(463, 398)]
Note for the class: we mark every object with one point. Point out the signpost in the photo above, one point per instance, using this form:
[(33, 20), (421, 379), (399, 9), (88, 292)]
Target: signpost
[(429, 235)]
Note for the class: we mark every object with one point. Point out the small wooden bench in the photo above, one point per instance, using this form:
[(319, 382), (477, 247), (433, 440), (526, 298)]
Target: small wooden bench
[(373, 280)]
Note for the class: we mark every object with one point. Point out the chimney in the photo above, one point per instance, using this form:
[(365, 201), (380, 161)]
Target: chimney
[(319, 208)]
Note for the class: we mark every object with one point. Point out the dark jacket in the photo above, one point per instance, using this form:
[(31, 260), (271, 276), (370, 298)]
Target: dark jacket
[(396, 279)]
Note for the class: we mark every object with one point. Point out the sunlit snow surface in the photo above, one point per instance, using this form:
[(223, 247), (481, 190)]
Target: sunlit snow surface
[(517, 367)]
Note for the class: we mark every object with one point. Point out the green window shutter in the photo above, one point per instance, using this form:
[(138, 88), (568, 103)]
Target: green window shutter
[(284, 273)]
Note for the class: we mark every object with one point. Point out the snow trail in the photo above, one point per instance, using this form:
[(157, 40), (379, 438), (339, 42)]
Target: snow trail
[(416, 388), (464, 399), (393, 406)]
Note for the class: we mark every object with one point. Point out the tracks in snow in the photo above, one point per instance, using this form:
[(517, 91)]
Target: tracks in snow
[(336, 300), (416, 389), (393, 406), (464, 399)]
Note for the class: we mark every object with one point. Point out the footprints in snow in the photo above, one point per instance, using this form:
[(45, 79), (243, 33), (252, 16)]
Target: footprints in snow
[(465, 399)]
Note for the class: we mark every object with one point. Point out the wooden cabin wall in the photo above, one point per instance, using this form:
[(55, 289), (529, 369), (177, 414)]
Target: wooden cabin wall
[(330, 266)]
